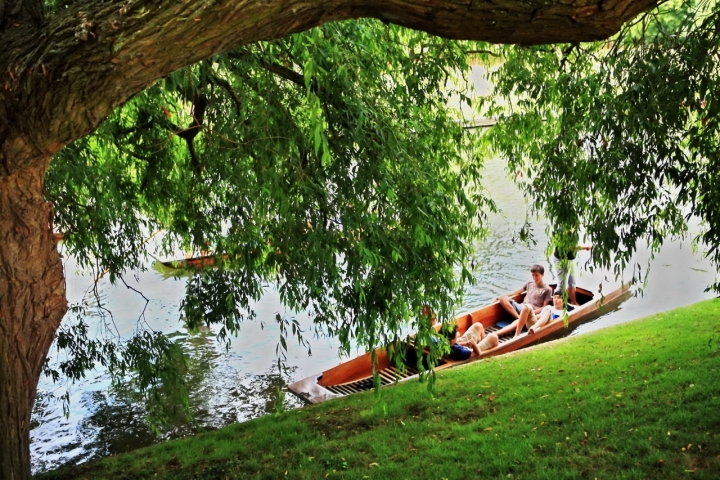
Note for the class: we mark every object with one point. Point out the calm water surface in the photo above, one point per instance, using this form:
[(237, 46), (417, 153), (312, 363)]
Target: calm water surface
[(243, 382)]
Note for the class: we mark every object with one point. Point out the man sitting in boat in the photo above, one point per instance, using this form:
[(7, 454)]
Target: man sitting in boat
[(473, 341), (537, 296), (533, 322)]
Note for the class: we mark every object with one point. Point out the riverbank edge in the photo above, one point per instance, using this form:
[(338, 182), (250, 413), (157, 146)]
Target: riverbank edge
[(637, 400)]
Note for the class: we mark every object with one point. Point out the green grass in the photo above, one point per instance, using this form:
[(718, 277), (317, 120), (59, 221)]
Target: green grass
[(640, 400)]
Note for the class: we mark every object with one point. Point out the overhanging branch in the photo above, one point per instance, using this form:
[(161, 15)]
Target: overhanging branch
[(60, 80)]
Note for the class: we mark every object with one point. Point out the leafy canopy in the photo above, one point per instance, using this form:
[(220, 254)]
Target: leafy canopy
[(618, 137), (327, 164)]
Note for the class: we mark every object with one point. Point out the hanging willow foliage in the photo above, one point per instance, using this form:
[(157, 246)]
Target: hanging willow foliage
[(328, 164), (618, 137)]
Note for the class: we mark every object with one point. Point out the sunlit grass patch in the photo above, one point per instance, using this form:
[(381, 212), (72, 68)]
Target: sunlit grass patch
[(640, 400)]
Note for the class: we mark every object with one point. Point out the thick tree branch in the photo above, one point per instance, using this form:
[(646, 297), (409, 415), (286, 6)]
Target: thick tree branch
[(272, 67), (225, 85), (284, 72), (480, 52), (60, 80), (200, 104)]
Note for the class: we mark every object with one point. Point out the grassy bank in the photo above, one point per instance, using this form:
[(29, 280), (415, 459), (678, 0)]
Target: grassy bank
[(640, 400)]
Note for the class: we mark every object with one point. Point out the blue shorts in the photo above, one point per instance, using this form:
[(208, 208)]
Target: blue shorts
[(458, 352), (517, 306)]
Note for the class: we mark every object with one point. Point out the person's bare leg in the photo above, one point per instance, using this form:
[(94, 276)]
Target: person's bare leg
[(507, 305), (571, 296), (490, 341), (524, 315), (520, 324), (478, 328), (544, 317)]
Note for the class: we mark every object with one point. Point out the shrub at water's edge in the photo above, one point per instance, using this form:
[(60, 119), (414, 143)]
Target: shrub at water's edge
[(641, 400)]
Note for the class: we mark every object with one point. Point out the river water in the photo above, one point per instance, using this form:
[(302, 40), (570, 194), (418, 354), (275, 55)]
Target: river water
[(243, 382)]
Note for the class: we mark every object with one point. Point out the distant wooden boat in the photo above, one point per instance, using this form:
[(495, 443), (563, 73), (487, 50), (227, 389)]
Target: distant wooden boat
[(193, 262), (356, 375)]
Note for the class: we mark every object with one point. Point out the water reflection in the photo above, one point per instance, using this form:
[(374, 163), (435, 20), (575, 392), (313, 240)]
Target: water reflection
[(242, 383), (104, 422)]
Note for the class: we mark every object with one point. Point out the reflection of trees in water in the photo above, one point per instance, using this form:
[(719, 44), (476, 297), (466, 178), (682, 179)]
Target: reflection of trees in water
[(113, 425), (40, 408), (116, 424), (260, 395), (218, 396)]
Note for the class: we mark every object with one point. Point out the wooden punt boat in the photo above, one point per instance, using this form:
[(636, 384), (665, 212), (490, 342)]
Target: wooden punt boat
[(356, 375), (194, 262)]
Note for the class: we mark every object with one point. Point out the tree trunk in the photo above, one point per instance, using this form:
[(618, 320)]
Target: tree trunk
[(32, 304)]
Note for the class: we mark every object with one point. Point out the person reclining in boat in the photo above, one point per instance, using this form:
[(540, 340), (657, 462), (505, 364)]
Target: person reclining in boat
[(473, 342), (557, 309), (537, 296), (533, 322)]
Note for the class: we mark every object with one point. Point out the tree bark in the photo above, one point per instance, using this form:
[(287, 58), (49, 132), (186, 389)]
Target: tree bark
[(21, 11), (32, 304)]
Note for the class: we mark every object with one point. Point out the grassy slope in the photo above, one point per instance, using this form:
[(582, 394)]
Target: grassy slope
[(624, 402)]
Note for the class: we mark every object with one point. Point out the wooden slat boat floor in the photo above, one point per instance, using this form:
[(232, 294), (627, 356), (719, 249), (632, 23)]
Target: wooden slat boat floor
[(317, 389), (505, 338), (388, 376)]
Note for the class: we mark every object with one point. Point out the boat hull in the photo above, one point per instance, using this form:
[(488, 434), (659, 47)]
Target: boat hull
[(356, 375)]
